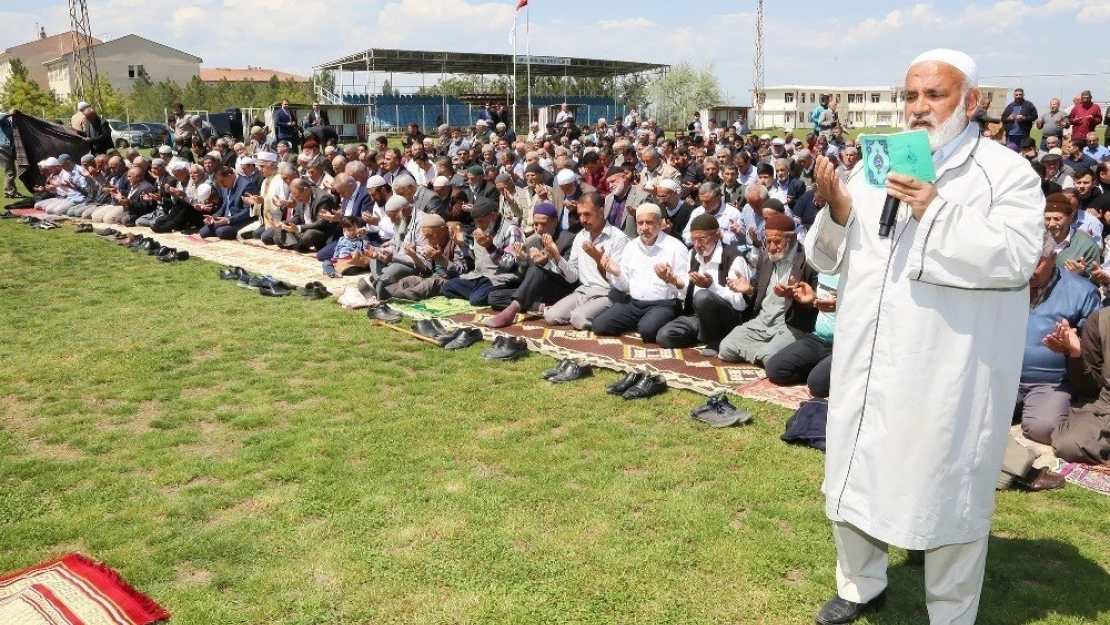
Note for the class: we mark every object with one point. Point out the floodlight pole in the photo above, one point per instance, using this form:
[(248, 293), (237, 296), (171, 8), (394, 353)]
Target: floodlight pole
[(513, 125), (528, 57)]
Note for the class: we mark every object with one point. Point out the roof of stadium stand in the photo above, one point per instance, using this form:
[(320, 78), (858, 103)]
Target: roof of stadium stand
[(429, 62)]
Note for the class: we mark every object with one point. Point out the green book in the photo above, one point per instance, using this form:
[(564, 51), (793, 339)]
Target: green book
[(904, 153)]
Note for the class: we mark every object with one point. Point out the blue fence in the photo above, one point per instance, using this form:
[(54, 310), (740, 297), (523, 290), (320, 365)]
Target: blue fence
[(396, 112)]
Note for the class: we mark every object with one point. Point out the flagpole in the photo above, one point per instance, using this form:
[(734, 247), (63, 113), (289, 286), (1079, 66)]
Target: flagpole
[(528, 61), (513, 126)]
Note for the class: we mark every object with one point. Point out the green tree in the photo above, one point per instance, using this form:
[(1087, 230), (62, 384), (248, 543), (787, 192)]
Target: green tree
[(195, 94), (682, 90), (143, 102), (632, 91), (23, 93)]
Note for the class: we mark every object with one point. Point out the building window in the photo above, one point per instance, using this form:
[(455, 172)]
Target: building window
[(874, 98), (789, 98), (131, 71), (894, 97), (812, 98), (838, 98)]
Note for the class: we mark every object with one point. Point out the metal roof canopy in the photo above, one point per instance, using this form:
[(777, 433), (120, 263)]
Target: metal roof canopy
[(429, 62)]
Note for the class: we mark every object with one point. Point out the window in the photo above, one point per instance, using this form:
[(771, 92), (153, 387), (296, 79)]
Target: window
[(874, 98), (131, 72), (894, 97), (852, 98), (838, 98), (789, 98), (812, 98)]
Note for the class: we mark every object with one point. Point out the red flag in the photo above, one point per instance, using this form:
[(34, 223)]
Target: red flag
[(520, 5)]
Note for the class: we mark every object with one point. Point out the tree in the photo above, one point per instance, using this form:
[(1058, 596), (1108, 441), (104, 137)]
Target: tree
[(683, 90), (23, 93), (143, 99), (632, 91)]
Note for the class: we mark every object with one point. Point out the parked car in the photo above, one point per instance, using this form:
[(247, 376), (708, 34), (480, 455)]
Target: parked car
[(131, 135), (161, 132)]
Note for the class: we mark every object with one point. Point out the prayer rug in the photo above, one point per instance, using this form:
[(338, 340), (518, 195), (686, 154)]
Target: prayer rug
[(1088, 476), (435, 308), (74, 590), (682, 368), (29, 212)]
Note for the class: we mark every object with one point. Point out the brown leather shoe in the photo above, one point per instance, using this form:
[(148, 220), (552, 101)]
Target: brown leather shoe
[(1044, 480)]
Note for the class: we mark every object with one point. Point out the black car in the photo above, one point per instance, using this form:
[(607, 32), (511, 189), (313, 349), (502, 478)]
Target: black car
[(160, 132)]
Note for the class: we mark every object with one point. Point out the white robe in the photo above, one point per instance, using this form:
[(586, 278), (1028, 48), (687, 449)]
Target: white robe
[(930, 333)]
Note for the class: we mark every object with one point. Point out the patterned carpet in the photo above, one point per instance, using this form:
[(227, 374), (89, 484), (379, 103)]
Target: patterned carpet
[(682, 368)]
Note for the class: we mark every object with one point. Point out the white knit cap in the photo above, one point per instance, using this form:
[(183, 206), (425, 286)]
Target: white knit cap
[(440, 182), (648, 209), (375, 181), (565, 176), (395, 203), (955, 58), (667, 183), (268, 157), (204, 190), (51, 162)]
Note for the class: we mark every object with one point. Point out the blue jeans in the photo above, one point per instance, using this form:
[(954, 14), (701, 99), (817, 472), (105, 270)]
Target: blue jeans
[(476, 290), (223, 232)]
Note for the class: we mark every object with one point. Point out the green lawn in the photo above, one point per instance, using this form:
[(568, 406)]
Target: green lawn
[(248, 460)]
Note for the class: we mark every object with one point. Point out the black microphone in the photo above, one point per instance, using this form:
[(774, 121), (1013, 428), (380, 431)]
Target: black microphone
[(888, 216)]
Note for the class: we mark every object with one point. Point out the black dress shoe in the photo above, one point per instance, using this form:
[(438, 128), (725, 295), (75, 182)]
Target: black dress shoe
[(625, 383), (424, 327), (495, 347), (445, 339), (174, 256), (438, 327), (572, 372), (557, 369), (510, 349), (159, 251), (384, 312), (841, 611), (107, 232), (648, 386), (274, 290), (466, 338)]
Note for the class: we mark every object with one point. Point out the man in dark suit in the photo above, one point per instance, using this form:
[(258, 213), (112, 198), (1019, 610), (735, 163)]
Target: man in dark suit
[(353, 200), (712, 307), (233, 213), (285, 125), (316, 117), (141, 198), (775, 319)]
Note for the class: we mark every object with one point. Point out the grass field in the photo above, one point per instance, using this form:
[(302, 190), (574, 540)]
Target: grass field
[(248, 460)]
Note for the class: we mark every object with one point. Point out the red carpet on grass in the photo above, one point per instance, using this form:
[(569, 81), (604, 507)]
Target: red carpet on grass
[(28, 212), (74, 590), (682, 368)]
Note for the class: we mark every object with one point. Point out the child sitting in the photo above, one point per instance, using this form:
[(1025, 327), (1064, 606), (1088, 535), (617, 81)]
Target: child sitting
[(350, 252)]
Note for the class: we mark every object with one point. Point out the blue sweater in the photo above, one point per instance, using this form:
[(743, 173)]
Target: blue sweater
[(1072, 298)]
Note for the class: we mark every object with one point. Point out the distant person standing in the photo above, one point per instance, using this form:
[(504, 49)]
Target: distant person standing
[(7, 155), (1085, 116), (77, 122), (818, 111), (285, 124), (1018, 119), (1052, 123), (316, 117)]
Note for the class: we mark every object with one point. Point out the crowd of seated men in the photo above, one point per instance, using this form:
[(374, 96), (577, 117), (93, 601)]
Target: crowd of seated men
[(689, 241)]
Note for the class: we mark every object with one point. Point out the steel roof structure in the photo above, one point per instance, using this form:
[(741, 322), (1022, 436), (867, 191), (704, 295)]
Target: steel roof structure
[(430, 62)]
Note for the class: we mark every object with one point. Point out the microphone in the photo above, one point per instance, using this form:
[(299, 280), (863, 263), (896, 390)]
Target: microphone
[(888, 216)]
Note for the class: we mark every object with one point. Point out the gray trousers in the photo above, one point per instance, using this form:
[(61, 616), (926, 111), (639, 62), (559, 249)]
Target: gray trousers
[(578, 309), (415, 288), (389, 274), (1043, 407), (7, 161), (754, 343), (1084, 437)]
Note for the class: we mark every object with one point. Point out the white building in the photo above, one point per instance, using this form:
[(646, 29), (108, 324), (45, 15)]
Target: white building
[(789, 106), (120, 59)]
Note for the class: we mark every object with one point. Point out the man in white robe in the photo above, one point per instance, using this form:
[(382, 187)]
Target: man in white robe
[(928, 351)]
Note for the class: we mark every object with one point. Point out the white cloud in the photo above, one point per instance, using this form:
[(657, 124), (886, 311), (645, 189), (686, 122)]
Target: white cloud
[(1094, 13)]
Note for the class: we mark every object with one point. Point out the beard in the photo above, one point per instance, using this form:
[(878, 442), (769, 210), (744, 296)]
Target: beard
[(774, 258), (942, 133)]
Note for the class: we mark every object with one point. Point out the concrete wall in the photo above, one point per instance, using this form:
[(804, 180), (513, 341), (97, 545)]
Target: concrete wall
[(116, 58)]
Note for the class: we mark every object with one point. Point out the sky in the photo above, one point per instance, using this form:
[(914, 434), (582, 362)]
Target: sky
[(867, 42)]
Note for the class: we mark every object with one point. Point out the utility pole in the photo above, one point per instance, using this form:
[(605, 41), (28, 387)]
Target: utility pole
[(757, 75), (84, 63)]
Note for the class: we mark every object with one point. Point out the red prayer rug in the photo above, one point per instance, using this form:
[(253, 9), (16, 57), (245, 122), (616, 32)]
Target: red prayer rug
[(74, 590), (29, 212)]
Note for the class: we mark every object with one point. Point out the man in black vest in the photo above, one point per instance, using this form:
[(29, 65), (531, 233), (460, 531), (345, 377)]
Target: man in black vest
[(713, 306)]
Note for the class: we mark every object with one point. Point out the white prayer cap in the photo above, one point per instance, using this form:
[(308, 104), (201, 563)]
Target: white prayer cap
[(565, 176), (158, 162), (82, 106), (648, 209), (165, 149), (268, 157), (246, 160), (51, 162), (440, 182), (375, 181), (765, 137), (667, 183), (481, 122), (1053, 151), (778, 141), (178, 165), (204, 190), (395, 203), (955, 58)]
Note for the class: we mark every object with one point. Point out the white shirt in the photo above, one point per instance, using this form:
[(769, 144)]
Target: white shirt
[(581, 268), (637, 268), (727, 214), (712, 267)]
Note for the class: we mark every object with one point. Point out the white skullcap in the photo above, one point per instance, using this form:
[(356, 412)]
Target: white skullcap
[(481, 122), (778, 141), (667, 183), (648, 209), (440, 182), (601, 120), (268, 157), (1053, 151), (395, 203), (178, 165), (246, 160), (204, 189), (955, 58), (158, 163), (764, 137), (165, 149), (375, 181), (82, 106), (51, 162), (565, 176)]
